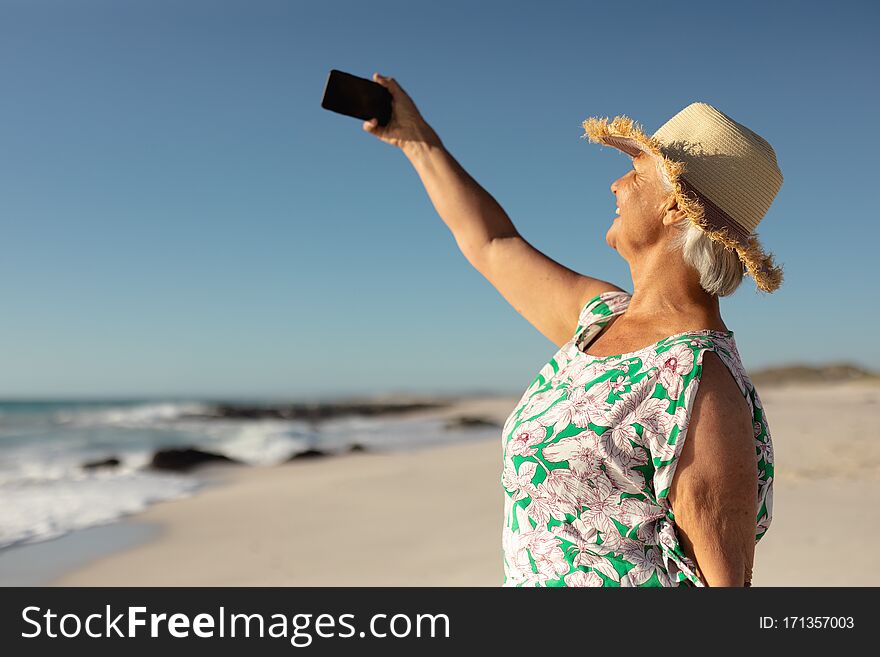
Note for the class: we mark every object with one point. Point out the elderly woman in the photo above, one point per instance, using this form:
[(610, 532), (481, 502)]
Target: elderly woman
[(601, 487)]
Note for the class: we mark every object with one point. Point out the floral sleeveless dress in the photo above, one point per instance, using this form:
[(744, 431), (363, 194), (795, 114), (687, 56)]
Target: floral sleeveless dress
[(590, 453)]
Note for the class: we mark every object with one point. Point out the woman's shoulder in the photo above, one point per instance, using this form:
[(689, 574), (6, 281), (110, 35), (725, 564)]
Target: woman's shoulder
[(723, 380)]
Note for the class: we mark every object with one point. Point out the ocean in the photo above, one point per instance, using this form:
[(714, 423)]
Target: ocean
[(45, 490)]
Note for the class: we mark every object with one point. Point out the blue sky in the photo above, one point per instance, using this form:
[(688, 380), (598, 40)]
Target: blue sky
[(181, 217)]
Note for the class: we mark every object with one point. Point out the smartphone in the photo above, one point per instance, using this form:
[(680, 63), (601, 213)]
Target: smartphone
[(361, 98)]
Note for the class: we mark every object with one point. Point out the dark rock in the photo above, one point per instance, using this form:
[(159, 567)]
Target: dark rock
[(102, 463), (313, 411), (357, 447), (470, 423), (308, 454), (185, 459)]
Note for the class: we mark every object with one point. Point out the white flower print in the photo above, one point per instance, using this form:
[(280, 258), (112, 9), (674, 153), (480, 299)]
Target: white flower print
[(737, 370), (766, 452), (563, 413), (526, 435), (667, 539), (672, 365), (555, 497), (663, 451), (647, 561), (519, 482), (600, 389), (766, 495), (624, 410), (517, 567), (511, 419), (522, 518), (682, 414), (764, 522), (538, 403), (545, 374), (562, 374), (581, 451), (638, 512), (583, 578), (601, 501), (515, 544), (596, 393), (621, 430), (654, 418), (622, 475), (546, 553), (579, 408), (579, 375), (529, 392), (593, 556), (661, 448), (585, 533), (610, 542), (756, 400), (617, 441), (566, 531), (619, 460)]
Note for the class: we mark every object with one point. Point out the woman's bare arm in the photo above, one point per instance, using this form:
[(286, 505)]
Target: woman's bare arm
[(546, 293), (714, 492)]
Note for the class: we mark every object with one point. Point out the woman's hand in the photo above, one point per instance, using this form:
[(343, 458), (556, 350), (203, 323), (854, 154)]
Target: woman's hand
[(407, 128)]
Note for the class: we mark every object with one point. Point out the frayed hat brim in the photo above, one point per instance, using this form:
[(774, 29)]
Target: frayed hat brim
[(627, 136)]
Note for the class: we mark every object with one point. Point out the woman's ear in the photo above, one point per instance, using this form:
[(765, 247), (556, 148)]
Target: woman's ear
[(672, 213)]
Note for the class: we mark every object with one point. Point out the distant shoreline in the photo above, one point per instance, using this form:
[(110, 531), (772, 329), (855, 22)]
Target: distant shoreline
[(793, 373), (808, 374)]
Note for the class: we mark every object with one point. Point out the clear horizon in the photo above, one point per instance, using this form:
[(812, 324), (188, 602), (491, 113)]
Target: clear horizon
[(181, 215)]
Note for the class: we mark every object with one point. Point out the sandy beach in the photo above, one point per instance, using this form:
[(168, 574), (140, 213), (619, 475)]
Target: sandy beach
[(433, 516)]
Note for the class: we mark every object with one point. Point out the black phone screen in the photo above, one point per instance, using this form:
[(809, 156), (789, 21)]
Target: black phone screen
[(361, 98)]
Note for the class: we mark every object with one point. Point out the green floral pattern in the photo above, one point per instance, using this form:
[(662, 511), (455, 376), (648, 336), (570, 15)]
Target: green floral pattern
[(589, 456)]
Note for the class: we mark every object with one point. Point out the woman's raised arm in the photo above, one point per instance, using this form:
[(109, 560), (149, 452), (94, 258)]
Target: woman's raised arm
[(546, 293)]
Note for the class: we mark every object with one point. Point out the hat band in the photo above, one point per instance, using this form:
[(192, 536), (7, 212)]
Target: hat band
[(715, 216), (623, 144)]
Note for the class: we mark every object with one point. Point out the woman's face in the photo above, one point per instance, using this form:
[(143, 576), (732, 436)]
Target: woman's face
[(643, 204)]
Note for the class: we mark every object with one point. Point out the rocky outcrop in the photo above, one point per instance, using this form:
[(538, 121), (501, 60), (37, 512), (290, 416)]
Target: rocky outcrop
[(182, 460)]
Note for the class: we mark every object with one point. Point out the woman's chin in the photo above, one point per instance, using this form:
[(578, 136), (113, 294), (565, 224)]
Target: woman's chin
[(609, 236)]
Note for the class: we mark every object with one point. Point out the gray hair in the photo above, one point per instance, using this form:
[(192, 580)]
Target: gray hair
[(721, 270)]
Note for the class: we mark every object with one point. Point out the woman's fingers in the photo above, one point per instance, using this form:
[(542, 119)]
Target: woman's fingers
[(385, 82), (406, 124), (390, 84), (373, 124)]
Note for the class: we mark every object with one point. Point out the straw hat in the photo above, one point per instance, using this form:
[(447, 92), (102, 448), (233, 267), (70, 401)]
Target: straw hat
[(724, 175)]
